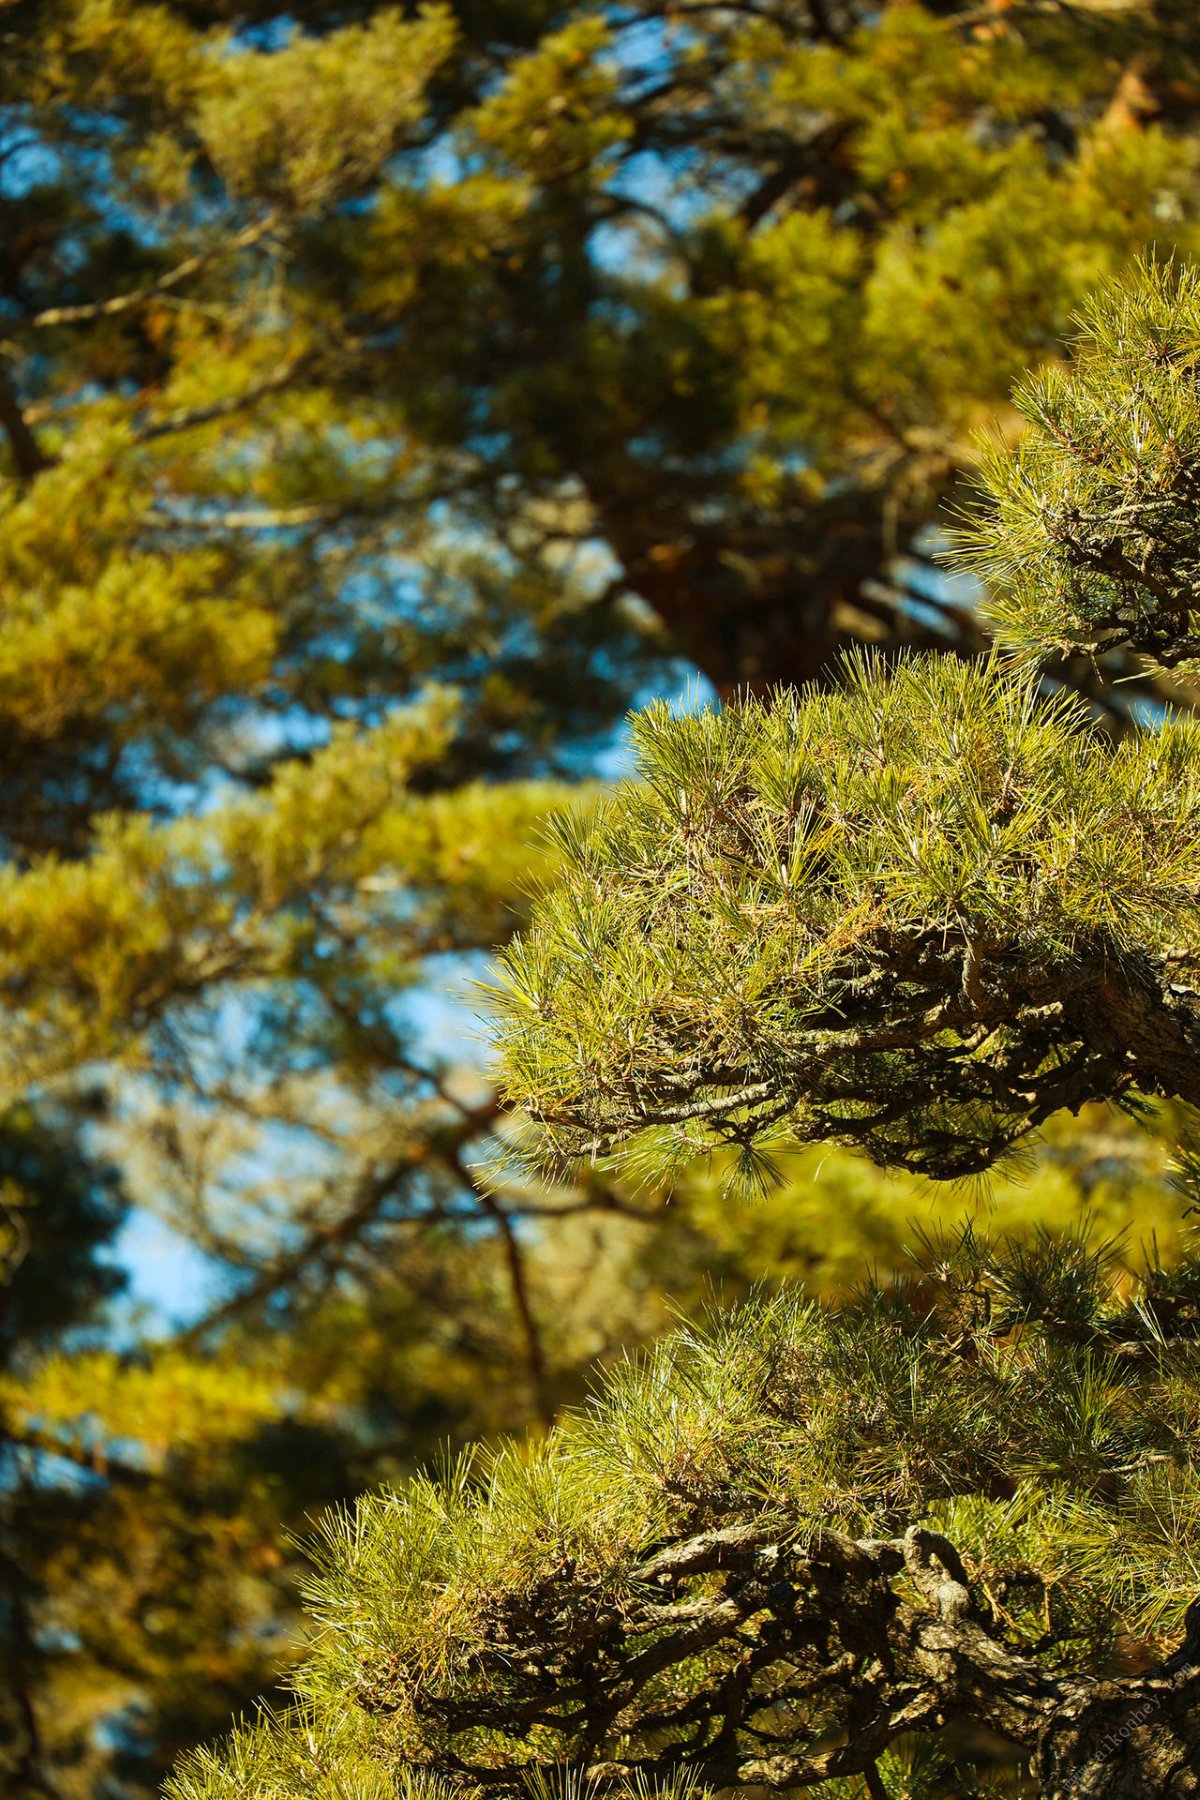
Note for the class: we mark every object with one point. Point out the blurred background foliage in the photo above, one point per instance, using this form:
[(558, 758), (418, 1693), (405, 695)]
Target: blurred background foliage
[(389, 398)]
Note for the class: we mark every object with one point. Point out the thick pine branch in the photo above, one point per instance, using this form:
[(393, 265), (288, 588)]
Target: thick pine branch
[(781, 1547), (919, 915), (923, 914)]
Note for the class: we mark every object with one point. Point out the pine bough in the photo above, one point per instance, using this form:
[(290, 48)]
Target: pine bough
[(880, 1549)]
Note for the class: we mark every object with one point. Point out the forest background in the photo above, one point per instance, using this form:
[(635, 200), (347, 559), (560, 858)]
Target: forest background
[(390, 398)]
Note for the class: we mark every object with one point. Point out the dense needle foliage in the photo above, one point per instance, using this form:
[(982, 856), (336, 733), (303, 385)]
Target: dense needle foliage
[(918, 912), (876, 915), (925, 911), (509, 349), (1091, 542), (722, 1565)]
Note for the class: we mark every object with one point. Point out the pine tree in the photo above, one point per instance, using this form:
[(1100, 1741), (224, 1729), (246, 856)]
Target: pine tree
[(859, 1546), (925, 912), (505, 349)]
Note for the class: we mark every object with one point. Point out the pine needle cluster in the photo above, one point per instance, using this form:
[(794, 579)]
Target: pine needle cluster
[(712, 1573), (888, 915), (1090, 533), (924, 911), (797, 1545)]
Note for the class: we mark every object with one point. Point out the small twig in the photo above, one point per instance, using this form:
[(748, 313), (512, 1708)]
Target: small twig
[(123, 303)]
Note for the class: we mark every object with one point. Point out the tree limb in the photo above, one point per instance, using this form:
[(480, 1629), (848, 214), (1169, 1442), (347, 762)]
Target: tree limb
[(51, 316)]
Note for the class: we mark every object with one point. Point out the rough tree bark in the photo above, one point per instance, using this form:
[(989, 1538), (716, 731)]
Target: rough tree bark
[(889, 1631)]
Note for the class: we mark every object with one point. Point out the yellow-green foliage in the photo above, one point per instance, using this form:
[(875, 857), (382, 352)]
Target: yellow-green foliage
[(315, 121), (1089, 537), (100, 947), (720, 918), (94, 1404), (346, 358), (834, 1214), (1030, 1400), (101, 629), (559, 111)]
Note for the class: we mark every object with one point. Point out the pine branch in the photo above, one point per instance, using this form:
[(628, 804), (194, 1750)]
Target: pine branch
[(52, 316), (190, 418), (919, 916)]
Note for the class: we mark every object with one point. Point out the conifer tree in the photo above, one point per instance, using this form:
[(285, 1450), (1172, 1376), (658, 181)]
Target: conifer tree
[(921, 913), (350, 350), (859, 1548)]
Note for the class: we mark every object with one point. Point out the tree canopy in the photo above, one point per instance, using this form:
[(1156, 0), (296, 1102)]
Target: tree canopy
[(518, 308), (780, 1548), (925, 911), (960, 1506), (388, 398)]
